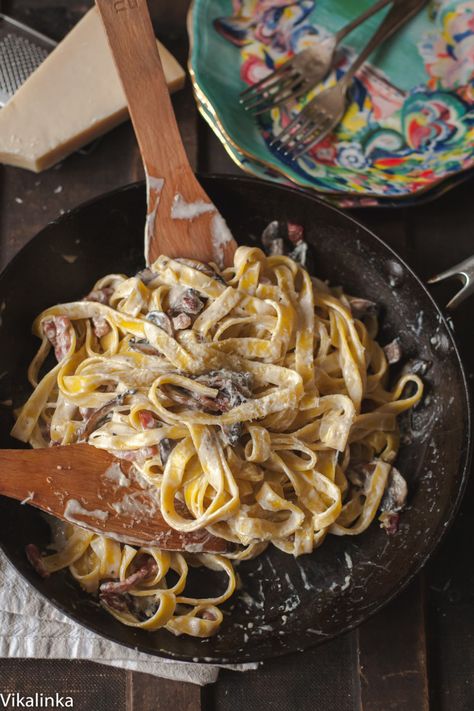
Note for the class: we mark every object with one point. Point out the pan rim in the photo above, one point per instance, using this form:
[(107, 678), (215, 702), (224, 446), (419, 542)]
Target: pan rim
[(444, 524)]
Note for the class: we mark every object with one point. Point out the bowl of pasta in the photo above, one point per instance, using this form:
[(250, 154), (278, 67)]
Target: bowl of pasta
[(306, 404)]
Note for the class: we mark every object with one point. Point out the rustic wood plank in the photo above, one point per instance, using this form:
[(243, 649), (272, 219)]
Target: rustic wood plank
[(392, 656), (320, 679), (148, 693), (93, 687)]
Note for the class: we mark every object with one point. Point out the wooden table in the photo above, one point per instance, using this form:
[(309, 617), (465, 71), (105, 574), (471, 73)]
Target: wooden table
[(418, 653)]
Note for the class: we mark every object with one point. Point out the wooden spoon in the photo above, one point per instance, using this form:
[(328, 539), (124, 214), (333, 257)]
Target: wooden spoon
[(181, 221), (93, 489)]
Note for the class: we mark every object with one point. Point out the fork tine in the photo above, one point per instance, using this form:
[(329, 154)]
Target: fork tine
[(286, 144), (284, 93), (306, 127), (255, 87), (299, 138), (289, 128), (268, 92), (306, 145)]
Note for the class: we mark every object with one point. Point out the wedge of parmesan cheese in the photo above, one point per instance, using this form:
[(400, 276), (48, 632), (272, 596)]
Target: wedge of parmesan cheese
[(73, 97)]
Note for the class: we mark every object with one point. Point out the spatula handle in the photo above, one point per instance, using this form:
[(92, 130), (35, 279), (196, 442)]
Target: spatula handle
[(133, 43), (169, 175)]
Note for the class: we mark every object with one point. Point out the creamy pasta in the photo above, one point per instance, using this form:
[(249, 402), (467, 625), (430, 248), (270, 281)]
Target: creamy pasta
[(254, 398)]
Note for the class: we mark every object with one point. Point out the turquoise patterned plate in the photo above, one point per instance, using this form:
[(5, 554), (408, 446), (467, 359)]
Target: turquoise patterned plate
[(410, 123)]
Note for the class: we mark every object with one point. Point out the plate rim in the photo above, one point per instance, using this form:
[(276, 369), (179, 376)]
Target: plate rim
[(201, 97)]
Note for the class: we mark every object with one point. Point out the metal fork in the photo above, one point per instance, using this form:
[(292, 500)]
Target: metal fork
[(464, 271), (300, 73), (324, 112)]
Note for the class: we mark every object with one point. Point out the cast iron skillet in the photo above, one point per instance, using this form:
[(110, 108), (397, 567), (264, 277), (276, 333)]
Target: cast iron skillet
[(285, 604)]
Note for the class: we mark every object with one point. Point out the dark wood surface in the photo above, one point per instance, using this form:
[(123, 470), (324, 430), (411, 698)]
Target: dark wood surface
[(417, 653)]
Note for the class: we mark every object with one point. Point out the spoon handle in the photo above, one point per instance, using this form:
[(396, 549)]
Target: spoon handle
[(168, 173), (133, 43)]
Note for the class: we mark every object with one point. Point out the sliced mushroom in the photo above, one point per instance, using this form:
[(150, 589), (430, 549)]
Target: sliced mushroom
[(100, 416), (201, 267), (232, 433), (362, 307), (233, 389), (165, 447), (143, 346), (395, 494), (162, 320), (393, 351)]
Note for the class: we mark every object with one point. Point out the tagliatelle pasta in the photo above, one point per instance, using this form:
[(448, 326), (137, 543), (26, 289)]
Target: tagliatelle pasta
[(253, 398)]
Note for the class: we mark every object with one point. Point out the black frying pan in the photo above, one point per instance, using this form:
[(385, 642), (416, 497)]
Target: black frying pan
[(290, 604)]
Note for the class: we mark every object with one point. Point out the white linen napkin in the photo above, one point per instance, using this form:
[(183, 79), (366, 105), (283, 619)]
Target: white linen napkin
[(30, 627)]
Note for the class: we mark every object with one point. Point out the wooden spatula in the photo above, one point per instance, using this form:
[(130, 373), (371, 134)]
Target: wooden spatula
[(181, 220), (93, 489)]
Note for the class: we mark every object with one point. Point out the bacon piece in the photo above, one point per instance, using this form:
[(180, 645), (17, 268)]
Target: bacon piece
[(33, 554), (181, 322), (58, 331), (147, 419), (146, 570), (393, 351), (390, 522), (101, 296), (101, 326), (185, 301), (295, 233), (208, 615)]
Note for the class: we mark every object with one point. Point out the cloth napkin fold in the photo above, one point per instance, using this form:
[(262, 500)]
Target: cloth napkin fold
[(30, 627)]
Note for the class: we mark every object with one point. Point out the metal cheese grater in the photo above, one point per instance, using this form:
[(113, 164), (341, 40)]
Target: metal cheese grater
[(21, 51)]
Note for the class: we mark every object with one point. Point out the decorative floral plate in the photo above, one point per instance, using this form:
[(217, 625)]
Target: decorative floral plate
[(410, 121)]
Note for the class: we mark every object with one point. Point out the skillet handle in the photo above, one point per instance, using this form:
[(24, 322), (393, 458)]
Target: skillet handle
[(464, 271)]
